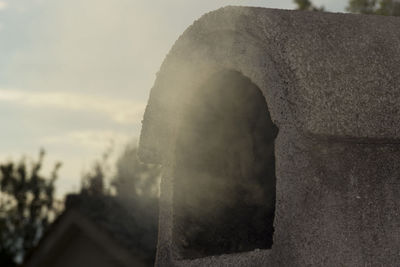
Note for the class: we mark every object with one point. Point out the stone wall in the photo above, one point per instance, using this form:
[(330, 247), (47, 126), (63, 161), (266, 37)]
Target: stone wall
[(330, 83)]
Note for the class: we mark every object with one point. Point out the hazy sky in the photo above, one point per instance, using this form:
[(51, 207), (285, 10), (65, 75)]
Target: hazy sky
[(75, 74)]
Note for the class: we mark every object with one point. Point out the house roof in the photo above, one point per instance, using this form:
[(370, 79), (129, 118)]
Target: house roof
[(327, 75), (120, 219), (105, 220)]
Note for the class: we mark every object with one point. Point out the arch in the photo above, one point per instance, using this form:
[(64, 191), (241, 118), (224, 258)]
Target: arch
[(338, 116), (224, 180)]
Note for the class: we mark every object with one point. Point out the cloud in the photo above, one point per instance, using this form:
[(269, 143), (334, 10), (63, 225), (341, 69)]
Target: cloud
[(3, 5), (91, 144), (120, 111), (106, 46), (92, 56), (90, 139)]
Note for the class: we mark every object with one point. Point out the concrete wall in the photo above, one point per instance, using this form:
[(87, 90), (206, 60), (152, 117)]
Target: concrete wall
[(331, 85)]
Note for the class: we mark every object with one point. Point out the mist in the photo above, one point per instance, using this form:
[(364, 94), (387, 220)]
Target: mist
[(76, 75)]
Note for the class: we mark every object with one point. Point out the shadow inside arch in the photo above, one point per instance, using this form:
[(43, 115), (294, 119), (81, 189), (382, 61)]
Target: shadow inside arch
[(224, 184)]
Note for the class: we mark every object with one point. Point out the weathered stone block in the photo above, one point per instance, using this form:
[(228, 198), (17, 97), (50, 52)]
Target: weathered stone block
[(330, 83)]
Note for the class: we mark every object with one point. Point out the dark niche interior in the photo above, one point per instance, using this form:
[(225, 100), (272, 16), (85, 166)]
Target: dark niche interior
[(224, 181)]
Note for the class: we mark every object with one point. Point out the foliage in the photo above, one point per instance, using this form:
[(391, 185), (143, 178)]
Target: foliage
[(27, 207), (307, 5), (135, 187), (134, 178), (377, 7), (362, 6), (93, 182), (381, 7)]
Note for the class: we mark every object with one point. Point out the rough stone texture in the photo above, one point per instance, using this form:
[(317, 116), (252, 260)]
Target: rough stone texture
[(331, 85)]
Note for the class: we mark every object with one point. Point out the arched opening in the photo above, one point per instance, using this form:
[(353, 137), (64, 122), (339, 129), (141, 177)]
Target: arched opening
[(224, 183)]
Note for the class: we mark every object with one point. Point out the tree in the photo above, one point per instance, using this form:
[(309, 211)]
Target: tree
[(377, 7), (135, 179), (93, 181), (135, 187), (381, 7), (307, 5), (389, 8), (27, 207), (362, 6)]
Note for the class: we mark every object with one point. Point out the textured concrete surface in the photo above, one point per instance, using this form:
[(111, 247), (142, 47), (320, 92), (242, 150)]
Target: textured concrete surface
[(331, 83)]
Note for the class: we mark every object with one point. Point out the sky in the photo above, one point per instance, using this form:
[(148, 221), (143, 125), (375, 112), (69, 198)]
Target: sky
[(75, 75)]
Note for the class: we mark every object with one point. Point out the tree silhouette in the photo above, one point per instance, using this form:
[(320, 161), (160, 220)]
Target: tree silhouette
[(307, 5), (27, 207), (377, 7), (381, 7), (134, 188), (135, 179)]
